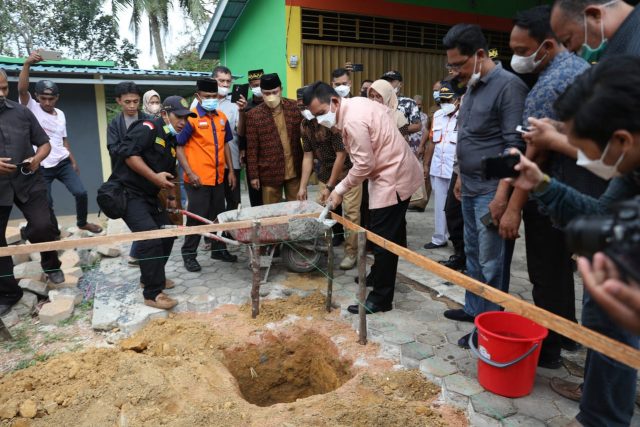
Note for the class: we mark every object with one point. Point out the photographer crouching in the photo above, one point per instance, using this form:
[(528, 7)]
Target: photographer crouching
[(601, 113)]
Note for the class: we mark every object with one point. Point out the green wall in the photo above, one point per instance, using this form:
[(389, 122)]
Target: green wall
[(500, 8), (260, 43)]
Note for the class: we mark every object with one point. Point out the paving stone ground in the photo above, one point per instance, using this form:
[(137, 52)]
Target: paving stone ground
[(415, 333)]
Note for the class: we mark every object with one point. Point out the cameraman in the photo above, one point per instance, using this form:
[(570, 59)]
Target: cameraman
[(600, 113)]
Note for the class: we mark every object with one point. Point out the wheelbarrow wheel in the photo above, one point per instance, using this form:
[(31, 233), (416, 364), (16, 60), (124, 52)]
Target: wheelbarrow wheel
[(299, 259)]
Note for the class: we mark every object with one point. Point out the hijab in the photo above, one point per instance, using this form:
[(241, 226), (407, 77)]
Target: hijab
[(389, 99), (146, 99)]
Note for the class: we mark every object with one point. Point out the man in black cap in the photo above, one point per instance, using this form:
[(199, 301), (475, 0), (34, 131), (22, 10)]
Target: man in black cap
[(255, 196), (407, 106), (274, 152), (60, 163), (21, 184), (146, 164)]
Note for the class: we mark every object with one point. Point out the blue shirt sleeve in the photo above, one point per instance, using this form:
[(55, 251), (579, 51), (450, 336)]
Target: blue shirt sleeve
[(228, 133), (183, 137)]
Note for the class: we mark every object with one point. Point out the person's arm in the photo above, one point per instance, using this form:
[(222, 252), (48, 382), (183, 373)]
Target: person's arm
[(194, 179), (74, 164), (544, 135), (253, 142), (23, 79), (307, 168), (423, 143), (428, 158), (362, 157), (414, 127), (160, 179), (228, 160)]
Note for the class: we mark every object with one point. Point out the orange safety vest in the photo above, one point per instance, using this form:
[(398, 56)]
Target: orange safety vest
[(204, 148)]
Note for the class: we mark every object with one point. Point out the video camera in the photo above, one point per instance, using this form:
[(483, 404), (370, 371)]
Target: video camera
[(617, 235)]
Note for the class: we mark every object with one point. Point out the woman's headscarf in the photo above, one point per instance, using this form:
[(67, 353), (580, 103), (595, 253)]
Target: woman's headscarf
[(146, 102), (389, 99)]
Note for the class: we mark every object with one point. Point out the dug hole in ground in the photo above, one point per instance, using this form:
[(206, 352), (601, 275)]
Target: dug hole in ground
[(296, 365)]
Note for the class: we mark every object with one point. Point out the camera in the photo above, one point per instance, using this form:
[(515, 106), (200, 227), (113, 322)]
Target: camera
[(617, 235)]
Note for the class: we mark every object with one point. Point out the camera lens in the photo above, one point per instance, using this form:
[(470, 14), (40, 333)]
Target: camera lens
[(588, 235)]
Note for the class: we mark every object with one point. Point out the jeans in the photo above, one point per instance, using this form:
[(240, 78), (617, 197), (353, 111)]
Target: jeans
[(64, 173), (485, 251), (609, 388)]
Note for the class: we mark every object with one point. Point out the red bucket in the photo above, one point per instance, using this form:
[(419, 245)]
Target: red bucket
[(508, 351)]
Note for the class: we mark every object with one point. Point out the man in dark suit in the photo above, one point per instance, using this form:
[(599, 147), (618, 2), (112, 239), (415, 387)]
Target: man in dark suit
[(274, 152)]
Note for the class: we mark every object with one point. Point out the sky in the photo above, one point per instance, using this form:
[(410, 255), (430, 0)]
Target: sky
[(176, 37)]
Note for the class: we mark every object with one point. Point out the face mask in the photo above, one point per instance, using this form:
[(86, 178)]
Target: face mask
[(526, 64), (223, 91), (154, 108), (308, 115), (171, 129), (436, 96), (343, 90), (327, 120), (475, 77), (592, 56), (257, 91), (272, 101), (598, 167), (448, 108), (396, 90), (209, 104)]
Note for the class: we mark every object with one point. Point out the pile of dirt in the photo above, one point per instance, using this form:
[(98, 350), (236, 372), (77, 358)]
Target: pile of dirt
[(180, 372), (276, 310)]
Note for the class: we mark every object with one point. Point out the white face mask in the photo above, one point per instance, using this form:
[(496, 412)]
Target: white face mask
[(598, 167), (436, 96), (223, 91), (153, 108), (526, 64), (343, 90), (396, 90), (308, 115), (448, 108), (475, 77), (257, 91), (328, 119)]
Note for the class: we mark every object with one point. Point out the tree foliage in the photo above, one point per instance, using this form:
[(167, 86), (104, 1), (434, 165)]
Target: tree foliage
[(188, 59), (78, 28)]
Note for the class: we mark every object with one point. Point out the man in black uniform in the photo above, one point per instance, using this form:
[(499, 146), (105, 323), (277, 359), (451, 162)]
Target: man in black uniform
[(21, 183), (146, 163)]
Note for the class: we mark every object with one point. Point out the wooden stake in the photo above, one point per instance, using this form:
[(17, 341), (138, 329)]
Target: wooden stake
[(362, 285), (255, 266), (330, 267), (609, 347)]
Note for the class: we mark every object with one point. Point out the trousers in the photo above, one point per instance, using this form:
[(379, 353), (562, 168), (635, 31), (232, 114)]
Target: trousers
[(64, 173), (272, 195), (455, 222), (206, 201), (439, 186)]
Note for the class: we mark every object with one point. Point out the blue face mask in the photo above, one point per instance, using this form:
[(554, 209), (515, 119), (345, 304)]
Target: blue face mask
[(209, 104), (169, 128)]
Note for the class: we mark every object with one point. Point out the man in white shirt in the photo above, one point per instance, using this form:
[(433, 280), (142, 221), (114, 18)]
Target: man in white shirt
[(438, 162), (60, 163)]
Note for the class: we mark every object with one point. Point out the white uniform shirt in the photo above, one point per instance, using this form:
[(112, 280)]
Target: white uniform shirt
[(55, 125), (445, 137)]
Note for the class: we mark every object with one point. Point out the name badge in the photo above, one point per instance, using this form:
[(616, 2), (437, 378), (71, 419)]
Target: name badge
[(160, 141), (203, 124)]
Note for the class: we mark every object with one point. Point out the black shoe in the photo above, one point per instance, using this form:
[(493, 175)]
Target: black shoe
[(5, 308), (455, 262), (56, 276), (337, 240), (550, 363), (415, 209), (432, 245), (570, 345), (464, 341), (369, 281), (369, 308), (459, 315), (223, 255), (192, 265)]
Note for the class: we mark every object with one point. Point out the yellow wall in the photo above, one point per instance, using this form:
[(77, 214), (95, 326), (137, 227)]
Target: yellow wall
[(293, 20), (101, 111)]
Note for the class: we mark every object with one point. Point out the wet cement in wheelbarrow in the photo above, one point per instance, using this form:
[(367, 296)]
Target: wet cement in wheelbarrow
[(223, 369)]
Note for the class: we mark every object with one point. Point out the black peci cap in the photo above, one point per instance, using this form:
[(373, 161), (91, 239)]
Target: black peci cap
[(270, 81), (255, 74), (207, 85)]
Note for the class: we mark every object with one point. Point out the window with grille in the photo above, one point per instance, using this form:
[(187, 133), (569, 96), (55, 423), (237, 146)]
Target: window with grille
[(345, 28)]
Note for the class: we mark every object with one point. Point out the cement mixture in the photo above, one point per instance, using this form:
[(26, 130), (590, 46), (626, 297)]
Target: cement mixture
[(224, 369)]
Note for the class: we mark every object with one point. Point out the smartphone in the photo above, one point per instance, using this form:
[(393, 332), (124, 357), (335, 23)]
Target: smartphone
[(522, 129), (357, 67), (488, 221), (501, 166), (49, 55), (239, 90)]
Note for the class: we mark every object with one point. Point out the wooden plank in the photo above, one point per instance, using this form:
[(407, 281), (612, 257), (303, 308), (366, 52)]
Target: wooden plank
[(585, 336), (142, 235)]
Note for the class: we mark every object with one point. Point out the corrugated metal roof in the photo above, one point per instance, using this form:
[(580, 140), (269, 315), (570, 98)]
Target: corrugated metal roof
[(223, 21)]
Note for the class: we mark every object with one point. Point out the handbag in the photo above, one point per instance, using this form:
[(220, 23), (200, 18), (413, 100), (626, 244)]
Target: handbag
[(112, 198)]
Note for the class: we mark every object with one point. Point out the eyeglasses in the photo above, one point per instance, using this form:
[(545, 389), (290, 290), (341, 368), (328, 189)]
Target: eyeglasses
[(456, 67)]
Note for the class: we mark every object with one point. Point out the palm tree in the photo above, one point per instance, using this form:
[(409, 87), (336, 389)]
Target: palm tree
[(157, 11)]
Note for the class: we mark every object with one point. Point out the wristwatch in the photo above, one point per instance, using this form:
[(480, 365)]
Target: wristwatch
[(542, 185), (331, 187)]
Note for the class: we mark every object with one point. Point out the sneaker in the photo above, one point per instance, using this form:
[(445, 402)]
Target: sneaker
[(568, 389), (56, 276), (192, 265), (348, 262), (92, 228), (162, 301)]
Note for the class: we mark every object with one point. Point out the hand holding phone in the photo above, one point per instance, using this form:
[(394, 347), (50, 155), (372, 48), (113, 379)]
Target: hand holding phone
[(239, 90), (522, 129), (357, 67), (49, 55)]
